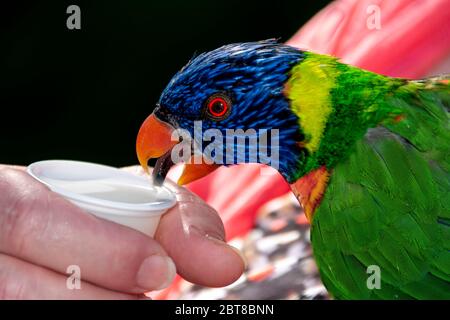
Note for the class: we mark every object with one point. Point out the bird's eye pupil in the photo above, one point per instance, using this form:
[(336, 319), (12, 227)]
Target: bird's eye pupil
[(217, 107)]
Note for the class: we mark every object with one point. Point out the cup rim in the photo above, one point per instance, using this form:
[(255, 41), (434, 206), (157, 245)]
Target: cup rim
[(136, 209)]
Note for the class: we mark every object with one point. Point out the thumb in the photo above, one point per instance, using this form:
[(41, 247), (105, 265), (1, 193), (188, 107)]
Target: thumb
[(194, 236)]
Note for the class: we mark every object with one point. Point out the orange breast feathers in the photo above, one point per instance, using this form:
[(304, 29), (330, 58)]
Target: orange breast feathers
[(309, 190)]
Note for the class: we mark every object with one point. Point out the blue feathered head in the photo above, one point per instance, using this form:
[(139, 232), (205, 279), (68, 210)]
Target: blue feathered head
[(237, 86)]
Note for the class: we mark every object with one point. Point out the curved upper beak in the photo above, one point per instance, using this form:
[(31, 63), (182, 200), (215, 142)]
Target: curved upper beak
[(154, 140)]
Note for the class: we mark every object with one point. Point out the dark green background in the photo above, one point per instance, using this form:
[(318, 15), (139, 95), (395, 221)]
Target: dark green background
[(82, 94)]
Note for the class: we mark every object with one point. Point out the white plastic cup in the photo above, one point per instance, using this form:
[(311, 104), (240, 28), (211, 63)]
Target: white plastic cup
[(106, 192)]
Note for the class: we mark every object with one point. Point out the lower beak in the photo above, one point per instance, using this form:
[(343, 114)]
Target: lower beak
[(192, 171)]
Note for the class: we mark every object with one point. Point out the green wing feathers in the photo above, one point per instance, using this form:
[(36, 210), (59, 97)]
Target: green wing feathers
[(425, 107), (388, 203)]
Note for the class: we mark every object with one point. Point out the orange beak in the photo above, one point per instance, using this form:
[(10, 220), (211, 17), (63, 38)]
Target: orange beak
[(192, 172), (154, 140)]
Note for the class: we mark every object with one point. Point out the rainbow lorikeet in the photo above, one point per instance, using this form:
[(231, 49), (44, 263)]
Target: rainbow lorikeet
[(368, 157)]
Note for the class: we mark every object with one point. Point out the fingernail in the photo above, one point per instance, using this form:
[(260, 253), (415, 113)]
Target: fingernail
[(240, 254), (156, 273)]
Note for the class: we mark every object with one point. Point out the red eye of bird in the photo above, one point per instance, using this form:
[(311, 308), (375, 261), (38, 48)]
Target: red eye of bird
[(218, 106)]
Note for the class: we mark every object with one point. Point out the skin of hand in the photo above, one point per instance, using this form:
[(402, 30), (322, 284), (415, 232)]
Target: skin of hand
[(42, 234)]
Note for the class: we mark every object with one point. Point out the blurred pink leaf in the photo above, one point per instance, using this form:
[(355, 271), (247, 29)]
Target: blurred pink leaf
[(414, 35)]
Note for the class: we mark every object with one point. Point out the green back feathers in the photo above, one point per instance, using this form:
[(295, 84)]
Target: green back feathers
[(424, 112)]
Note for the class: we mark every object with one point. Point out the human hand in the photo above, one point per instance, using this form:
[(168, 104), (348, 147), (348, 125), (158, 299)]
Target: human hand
[(41, 234)]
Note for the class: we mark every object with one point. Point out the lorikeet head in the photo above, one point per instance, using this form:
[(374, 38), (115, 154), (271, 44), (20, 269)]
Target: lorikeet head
[(237, 86)]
